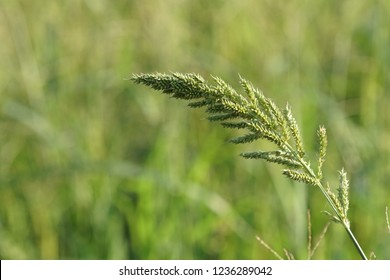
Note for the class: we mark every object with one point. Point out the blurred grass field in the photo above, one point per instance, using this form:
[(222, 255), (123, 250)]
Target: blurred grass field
[(95, 167)]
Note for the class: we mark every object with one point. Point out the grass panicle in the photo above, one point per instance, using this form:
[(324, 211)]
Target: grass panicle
[(261, 118), (322, 139)]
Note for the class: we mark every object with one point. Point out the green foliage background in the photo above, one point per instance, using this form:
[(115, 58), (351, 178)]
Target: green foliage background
[(93, 166)]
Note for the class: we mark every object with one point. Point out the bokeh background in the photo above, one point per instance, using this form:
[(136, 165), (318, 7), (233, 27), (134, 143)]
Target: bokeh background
[(93, 166)]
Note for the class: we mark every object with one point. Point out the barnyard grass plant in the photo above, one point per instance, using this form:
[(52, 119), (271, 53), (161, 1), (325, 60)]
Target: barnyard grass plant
[(260, 118)]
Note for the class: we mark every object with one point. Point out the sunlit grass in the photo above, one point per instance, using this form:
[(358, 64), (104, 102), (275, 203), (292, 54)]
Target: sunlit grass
[(87, 168)]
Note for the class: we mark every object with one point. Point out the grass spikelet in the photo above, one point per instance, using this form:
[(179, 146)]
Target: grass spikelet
[(322, 139)]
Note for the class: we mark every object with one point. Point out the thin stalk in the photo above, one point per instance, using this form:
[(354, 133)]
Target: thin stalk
[(267, 121), (355, 242)]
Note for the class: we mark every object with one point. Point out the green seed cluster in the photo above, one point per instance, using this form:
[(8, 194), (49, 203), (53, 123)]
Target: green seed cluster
[(260, 118)]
